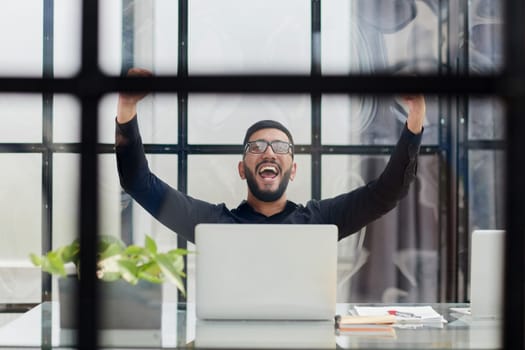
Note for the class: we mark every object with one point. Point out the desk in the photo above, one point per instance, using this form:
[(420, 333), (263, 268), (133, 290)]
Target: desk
[(180, 329)]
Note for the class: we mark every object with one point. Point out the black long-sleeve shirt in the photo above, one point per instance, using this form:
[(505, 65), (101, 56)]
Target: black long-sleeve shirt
[(349, 211)]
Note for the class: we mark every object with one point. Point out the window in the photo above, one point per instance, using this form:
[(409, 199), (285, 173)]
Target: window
[(48, 147)]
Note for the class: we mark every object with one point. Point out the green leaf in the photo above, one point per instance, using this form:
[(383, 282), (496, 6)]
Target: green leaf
[(53, 264), (178, 264), (152, 278), (134, 250), (180, 285), (170, 272), (150, 267), (150, 244), (70, 253), (116, 261), (129, 271), (105, 240), (112, 249), (35, 259)]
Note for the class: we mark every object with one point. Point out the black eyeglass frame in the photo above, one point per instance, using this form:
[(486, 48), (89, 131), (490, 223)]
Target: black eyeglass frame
[(269, 143)]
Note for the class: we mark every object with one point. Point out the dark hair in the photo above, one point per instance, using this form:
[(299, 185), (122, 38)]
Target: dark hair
[(266, 124)]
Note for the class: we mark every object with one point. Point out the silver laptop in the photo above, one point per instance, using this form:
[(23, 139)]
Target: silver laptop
[(265, 272), (486, 273)]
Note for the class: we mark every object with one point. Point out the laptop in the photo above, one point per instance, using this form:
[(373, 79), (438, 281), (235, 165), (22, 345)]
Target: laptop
[(265, 272), (486, 273)]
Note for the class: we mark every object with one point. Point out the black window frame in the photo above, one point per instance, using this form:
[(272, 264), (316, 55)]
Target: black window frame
[(90, 84)]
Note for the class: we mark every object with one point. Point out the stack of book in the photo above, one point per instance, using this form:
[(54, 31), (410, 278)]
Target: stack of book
[(366, 326), (381, 321)]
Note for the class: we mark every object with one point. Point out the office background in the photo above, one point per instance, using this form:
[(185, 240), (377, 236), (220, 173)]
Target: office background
[(416, 253)]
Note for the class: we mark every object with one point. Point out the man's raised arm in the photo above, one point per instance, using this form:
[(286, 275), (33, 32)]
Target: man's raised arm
[(127, 102)]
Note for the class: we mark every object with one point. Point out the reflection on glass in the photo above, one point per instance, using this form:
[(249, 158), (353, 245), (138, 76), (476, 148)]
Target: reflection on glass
[(265, 334), (363, 36), (485, 36), (486, 119), (398, 261), (486, 170), (363, 120)]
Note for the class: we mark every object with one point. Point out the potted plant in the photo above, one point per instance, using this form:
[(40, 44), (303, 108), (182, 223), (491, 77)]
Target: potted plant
[(131, 277)]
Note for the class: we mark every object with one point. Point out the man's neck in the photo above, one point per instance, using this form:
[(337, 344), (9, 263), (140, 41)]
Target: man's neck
[(267, 208)]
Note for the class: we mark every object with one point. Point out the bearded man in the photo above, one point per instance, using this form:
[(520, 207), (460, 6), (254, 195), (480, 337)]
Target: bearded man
[(267, 165)]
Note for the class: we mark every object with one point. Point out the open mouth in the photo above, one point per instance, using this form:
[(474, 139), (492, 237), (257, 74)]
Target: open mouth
[(268, 171)]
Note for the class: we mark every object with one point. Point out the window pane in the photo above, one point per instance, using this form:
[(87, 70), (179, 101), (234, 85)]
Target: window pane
[(223, 119), (66, 119), (21, 53), (21, 118), (21, 223), (149, 40), (111, 47), (112, 201), (400, 253), (215, 178), (165, 43), (157, 116), (236, 36), (67, 38), (66, 198), (378, 36), (371, 120)]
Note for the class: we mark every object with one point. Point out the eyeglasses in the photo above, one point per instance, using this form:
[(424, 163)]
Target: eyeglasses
[(260, 146)]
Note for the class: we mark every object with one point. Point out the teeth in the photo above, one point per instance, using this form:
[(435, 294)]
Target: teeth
[(268, 168)]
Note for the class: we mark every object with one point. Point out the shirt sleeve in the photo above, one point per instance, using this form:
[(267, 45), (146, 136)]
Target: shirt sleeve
[(354, 210), (174, 209)]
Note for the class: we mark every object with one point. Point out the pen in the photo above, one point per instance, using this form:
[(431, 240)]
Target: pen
[(403, 314)]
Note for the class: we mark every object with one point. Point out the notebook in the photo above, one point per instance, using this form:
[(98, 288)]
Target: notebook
[(265, 272), (486, 273)]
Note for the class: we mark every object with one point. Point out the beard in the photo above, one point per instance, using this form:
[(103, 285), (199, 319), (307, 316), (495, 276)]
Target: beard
[(267, 195)]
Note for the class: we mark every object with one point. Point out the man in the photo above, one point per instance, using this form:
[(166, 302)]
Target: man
[(267, 166)]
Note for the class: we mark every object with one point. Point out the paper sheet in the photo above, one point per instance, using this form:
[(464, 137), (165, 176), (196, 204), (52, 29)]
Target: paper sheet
[(409, 314)]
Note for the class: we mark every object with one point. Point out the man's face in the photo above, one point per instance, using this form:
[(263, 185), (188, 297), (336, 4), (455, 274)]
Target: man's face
[(267, 174)]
